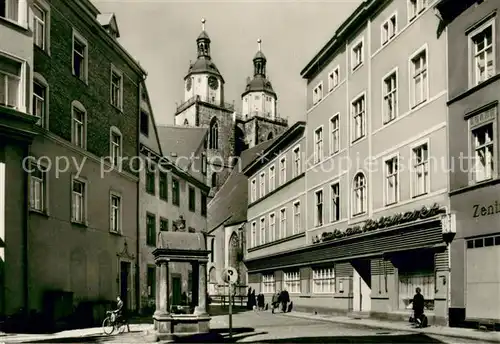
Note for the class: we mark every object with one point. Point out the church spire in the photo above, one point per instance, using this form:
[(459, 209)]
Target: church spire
[(259, 61), (203, 42)]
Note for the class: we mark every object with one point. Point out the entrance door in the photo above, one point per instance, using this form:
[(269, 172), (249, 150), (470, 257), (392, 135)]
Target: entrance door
[(124, 283), (361, 288), (176, 290)]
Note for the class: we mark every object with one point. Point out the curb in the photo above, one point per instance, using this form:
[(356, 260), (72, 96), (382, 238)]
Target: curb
[(381, 326)]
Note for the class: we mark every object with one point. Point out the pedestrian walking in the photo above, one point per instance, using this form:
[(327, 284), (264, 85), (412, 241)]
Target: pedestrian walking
[(285, 298), (275, 301)]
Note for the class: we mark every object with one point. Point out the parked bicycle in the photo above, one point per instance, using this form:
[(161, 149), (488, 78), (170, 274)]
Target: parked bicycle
[(112, 323)]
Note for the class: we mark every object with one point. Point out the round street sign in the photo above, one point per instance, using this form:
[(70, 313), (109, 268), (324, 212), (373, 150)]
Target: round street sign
[(230, 275)]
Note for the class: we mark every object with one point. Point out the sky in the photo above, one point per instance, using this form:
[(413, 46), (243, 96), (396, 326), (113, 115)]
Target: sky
[(161, 35)]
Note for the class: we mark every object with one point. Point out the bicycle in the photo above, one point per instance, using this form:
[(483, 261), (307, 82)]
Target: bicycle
[(110, 324)]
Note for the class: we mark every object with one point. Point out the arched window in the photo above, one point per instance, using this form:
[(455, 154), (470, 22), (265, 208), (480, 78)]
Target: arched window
[(212, 276), (233, 250), (186, 122), (212, 250), (214, 179), (40, 99), (270, 135), (359, 194), (214, 134)]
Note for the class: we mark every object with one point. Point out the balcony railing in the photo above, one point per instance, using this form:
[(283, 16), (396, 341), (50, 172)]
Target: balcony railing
[(194, 99)]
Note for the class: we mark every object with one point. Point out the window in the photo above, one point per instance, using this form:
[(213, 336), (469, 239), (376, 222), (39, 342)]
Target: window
[(282, 170), (358, 116), (39, 25), (204, 163), (420, 170), (335, 134), (144, 123), (415, 7), (389, 29), (80, 57), (390, 97), (262, 188), (335, 197), (116, 147), (296, 217), (79, 127), (272, 227), (318, 93), (10, 83), (203, 204), (483, 145), (324, 281), (391, 181), (272, 183), (79, 193), (268, 284), (292, 282), (150, 180), (175, 192), (253, 235), (357, 55), (333, 79), (318, 145), (116, 88), (253, 190), (163, 180), (419, 83), (319, 208), (151, 280), (38, 185), (282, 223), (214, 134), (9, 9), (483, 53), (150, 229), (214, 179), (296, 162), (192, 199), (262, 231), (39, 102), (359, 190), (115, 219), (163, 224)]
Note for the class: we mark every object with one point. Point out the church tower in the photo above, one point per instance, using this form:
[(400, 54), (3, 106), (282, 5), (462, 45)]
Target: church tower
[(259, 108), (204, 106)]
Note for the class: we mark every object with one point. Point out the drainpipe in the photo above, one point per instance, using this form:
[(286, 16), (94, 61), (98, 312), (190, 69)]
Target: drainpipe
[(138, 199), (25, 237)]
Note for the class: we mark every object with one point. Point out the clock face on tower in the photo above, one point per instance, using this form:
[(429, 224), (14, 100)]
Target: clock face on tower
[(213, 82), (188, 84)]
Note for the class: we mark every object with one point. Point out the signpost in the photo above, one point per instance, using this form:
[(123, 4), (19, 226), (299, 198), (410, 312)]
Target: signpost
[(230, 276)]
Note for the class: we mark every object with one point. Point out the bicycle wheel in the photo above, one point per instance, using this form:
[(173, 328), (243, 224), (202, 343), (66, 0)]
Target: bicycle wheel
[(121, 327), (107, 326)]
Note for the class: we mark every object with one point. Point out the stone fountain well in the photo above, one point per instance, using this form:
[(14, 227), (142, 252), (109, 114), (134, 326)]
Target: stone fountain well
[(182, 247)]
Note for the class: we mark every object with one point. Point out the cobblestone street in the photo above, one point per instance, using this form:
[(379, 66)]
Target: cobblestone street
[(262, 327)]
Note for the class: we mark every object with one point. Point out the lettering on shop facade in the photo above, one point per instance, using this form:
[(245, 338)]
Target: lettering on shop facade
[(423, 213), (480, 210)]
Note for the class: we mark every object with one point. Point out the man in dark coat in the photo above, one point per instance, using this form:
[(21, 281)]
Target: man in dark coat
[(418, 306), (285, 298)]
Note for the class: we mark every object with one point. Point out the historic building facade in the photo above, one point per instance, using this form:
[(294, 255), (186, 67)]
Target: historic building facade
[(473, 52), (376, 170), (229, 133), (173, 197), (17, 129), (83, 218)]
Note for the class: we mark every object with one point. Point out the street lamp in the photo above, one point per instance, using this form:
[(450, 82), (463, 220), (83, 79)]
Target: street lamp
[(449, 231)]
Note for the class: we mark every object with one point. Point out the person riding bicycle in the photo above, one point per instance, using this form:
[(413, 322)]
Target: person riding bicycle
[(119, 309)]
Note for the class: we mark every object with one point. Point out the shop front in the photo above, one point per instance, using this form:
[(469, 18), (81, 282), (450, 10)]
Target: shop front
[(475, 256), (370, 269)]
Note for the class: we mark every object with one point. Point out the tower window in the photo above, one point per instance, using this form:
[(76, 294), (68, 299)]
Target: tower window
[(214, 134), (214, 179)]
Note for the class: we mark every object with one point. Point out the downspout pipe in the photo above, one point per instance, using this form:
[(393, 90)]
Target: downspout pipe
[(138, 212), (25, 236)]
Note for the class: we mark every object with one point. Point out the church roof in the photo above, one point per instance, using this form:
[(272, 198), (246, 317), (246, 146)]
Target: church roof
[(232, 198), (203, 35), (259, 55), (203, 65), (259, 84)]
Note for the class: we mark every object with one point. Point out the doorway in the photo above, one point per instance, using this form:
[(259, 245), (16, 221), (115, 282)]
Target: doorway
[(124, 283), (176, 290), (361, 280)]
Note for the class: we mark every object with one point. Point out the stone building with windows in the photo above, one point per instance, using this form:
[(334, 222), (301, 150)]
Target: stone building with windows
[(83, 221), (473, 79), (229, 133), (17, 129), (376, 171)]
